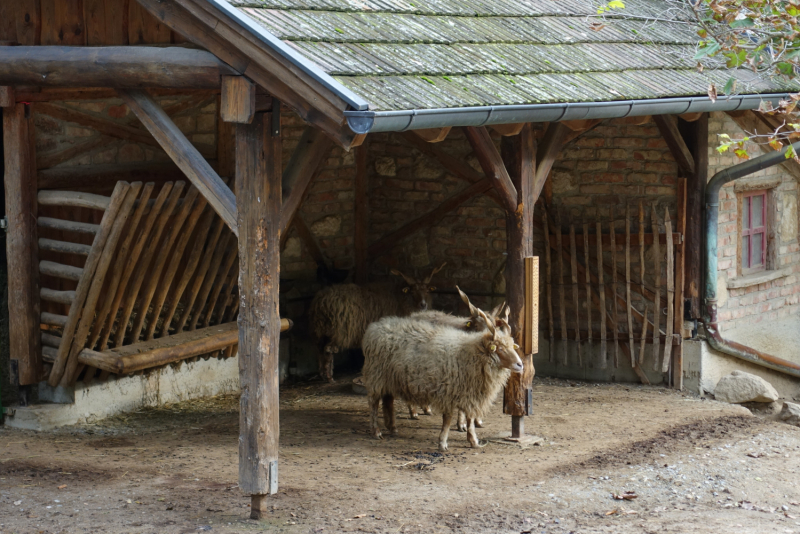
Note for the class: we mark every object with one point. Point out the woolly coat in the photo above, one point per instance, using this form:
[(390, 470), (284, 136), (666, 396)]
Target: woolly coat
[(342, 312), (427, 364)]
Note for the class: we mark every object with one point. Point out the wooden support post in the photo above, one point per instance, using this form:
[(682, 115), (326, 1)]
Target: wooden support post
[(552, 143), (238, 100), (258, 185), (680, 259), (184, 154), (519, 156), (361, 216), (305, 163), (697, 137), (21, 244), (492, 165)]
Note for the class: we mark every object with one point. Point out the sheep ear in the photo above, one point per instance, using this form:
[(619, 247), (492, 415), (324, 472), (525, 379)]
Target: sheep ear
[(473, 311), (409, 281), (436, 270)]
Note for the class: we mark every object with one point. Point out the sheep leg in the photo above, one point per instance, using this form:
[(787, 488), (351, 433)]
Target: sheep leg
[(472, 436), (412, 412), (374, 402), (447, 420), (388, 414), (462, 422), (326, 362)]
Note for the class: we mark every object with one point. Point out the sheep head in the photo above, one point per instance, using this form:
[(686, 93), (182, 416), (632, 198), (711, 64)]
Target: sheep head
[(420, 291), (498, 315), (500, 346)]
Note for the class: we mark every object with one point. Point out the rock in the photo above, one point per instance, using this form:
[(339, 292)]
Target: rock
[(327, 226), (790, 414), (740, 387), (385, 167)]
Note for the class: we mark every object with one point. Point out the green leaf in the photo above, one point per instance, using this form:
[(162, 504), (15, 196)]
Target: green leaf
[(742, 23), (708, 50), (790, 153), (730, 85), (735, 59), (616, 4), (785, 68)]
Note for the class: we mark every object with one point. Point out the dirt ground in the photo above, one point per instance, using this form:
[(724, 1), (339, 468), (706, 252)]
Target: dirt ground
[(695, 465)]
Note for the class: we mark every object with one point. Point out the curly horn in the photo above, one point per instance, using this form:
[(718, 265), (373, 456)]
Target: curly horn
[(473, 311), (410, 281), (436, 270)]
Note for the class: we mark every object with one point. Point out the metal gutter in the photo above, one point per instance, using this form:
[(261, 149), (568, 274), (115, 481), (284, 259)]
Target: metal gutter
[(362, 122), (715, 339), (303, 63)]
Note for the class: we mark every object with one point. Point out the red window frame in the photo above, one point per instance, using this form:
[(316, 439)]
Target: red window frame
[(750, 252)]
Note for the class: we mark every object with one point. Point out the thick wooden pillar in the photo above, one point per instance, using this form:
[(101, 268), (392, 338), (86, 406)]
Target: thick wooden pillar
[(696, 135), (21, 244), (258, 188), (519, 156)]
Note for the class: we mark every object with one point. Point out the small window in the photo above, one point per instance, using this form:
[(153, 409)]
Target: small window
[(754, 231)]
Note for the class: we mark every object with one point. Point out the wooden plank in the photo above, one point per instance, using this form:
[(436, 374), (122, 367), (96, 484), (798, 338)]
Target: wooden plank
[(680, 256), (574, 134), (184, 154), (59, 270), (385, 244), (670, 291), (643, 339), (218, 274), (54, 319), (602, 291), (199, 276), (247, 54), (59, 369), (167, 245), (492, 165), (575, 296), (587, 280), (238, 101), (549, 281), (561, 293), (67, 226), (82, 177), (303, 166), (628, 283), (228, 276), (87, 314), (8, 27), (519, 158), (62, 23), (657, 300), (29, 22), (21, 244), (189, 271), (102, 125), (52, 295), (105, 22), (550, 147), (361, 217), (531, 333), (258, 175), (507, 130), (642, 270), (615, 312), (143, 28), (49, 340), (635, 239), (122, 261), (668, 127), (177, 258), (433, 135), (143, 268), (222, 251), (6, 96)]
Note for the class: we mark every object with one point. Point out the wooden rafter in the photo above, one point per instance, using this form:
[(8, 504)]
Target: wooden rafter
[(492, 165), (549, 148), (104, 126), (184, 154), (668, 127), (433, 135), (304, 164), (508, 130)]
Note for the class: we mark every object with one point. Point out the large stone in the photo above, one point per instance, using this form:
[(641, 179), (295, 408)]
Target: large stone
[(386, 166), (327, 226), (790, 414), (740, 387)]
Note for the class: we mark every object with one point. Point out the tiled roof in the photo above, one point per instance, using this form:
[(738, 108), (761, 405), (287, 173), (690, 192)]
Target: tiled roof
[(427, 54)]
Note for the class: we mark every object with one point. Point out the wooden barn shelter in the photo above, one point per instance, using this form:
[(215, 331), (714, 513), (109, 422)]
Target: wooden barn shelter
[(348, 71)]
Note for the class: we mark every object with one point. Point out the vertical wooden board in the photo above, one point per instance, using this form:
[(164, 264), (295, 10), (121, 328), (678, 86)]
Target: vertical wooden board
[(226, 148), (6, 96), (361, 223), (670, 293), (8, 22), (587, 281), (573, 260), (614, 304), (258, 179), (144, 28), (680, 258), (657, 299), (62, 23), (602, 292), (29, 22), (642, 272), (531, 336), (21, 244), (105, 22), (628, 284), (549, 282), (562, 292)]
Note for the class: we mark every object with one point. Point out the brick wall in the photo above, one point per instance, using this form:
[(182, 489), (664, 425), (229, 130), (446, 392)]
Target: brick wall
[(764, 301)]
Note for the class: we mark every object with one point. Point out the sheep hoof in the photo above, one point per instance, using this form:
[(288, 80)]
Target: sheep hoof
[(478, 444), (443, 447), (392, 431), (462, 427), (414, 416), (377, 434), (428, 411), (478, 423)]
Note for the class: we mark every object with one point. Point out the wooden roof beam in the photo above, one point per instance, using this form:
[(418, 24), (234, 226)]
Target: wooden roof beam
[(492, 163), (549, 147), (128, 67), (433, 135), (668, 126), (304, 164), (184, 154)]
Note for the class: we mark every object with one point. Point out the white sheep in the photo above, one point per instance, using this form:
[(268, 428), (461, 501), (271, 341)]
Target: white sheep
[(340, 314), (444, 367)]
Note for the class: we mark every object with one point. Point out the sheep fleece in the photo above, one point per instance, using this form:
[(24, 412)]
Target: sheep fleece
[(426, 364)]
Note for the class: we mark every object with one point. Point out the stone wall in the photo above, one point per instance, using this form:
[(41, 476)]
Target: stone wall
[(764, 301)]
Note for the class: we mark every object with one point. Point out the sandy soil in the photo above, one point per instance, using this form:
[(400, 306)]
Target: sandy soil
[(695, 465)]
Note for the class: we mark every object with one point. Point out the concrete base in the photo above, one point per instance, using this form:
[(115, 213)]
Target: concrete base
[(703, 367), (83, 403)]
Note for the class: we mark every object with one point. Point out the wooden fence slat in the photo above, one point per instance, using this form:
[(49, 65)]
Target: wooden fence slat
[(211, 276), (225, 275), (588, 280), (575, 296), (615, 314), (670, 291), (644, 339), (657, 300), (602, 292), (628, 284), (551, 330), (642, 271), (561, 294)]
